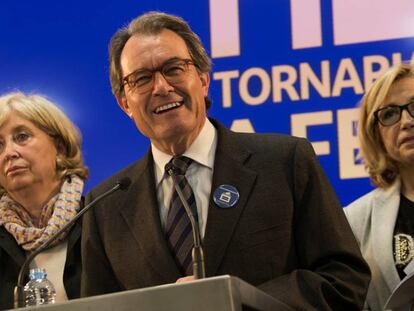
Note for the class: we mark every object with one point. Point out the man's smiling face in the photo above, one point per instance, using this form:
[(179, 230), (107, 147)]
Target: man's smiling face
[(171, 115)]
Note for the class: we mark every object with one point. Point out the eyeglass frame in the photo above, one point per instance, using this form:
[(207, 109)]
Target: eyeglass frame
[(159, 69), (400, 110)]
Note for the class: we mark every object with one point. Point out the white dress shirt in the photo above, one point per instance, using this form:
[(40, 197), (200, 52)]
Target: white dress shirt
[(53, 260), (199, 174)]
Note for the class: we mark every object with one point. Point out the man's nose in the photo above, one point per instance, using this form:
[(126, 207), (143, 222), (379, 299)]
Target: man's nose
[(161, 85)]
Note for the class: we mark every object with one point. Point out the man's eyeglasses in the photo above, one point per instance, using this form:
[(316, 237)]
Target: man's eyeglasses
[(390, 115), (174, 71)]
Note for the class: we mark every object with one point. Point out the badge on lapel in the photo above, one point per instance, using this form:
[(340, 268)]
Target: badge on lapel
[(226, 196)]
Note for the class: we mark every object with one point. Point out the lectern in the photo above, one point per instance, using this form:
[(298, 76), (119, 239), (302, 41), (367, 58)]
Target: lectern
[(221, 293)]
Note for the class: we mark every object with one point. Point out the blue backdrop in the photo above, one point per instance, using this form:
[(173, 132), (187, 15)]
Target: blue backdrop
[(297, 67)]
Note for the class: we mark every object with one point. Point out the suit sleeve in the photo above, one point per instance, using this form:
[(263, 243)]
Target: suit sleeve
[(331, 273), (97, 274)]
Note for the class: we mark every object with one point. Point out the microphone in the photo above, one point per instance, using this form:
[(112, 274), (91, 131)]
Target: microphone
[(122, 184), (199, 270)]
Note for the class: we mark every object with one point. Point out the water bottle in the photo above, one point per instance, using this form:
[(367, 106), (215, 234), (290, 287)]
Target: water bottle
[(39, 290)]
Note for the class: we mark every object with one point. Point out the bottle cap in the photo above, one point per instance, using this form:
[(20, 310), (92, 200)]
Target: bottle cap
[(37, 273)]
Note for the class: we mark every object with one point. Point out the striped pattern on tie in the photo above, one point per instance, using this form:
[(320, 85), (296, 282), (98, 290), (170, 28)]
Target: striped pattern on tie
[(178, 228)]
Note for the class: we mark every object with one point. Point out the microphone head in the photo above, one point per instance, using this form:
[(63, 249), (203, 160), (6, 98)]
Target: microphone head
[(124, 183)]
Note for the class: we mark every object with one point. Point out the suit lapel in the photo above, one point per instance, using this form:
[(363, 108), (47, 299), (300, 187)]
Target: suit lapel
[(229, 168), (141, 213), (384, 215), (10, 246)]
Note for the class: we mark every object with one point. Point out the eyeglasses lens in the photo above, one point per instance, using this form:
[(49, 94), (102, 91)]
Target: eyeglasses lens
[(390, 115)]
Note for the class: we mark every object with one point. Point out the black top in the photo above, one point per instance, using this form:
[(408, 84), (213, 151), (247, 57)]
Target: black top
[(403, 235)]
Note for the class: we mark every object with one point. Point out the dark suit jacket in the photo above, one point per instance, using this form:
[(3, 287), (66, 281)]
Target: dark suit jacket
[(12, 257), (287, 234)]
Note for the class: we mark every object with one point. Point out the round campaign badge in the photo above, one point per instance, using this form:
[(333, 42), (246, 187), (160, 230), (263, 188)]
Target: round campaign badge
[(226, 196)]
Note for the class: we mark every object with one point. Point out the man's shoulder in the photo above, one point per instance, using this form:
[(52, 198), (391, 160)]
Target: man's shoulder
[(132, 172), (260, 140), (269, 138), (279, 147)]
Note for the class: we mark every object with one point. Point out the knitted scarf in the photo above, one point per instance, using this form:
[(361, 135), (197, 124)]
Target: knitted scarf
[(55, 214)]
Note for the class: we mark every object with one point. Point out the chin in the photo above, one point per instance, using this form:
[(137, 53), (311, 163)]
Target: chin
[(409, 159), (177, 130), (18, 184)]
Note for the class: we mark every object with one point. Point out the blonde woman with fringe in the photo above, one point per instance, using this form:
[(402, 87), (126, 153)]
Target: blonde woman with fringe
[(383, 220)]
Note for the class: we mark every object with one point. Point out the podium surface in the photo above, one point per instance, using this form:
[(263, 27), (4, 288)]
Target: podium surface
[(219, 293)]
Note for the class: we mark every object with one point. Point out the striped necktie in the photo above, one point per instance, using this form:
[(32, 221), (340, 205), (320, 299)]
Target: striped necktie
[(178, 229)]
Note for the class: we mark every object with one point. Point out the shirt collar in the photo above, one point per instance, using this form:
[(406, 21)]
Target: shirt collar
[(202, 151)]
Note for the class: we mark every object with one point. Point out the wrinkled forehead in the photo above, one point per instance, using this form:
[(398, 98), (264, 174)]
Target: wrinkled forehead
[(149, 51)]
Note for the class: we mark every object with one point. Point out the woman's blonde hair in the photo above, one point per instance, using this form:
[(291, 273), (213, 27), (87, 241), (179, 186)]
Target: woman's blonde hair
[(50, 119), (382, 169)]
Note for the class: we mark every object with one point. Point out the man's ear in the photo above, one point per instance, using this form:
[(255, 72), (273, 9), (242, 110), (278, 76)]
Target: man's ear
[(205, 82), (123, 103)]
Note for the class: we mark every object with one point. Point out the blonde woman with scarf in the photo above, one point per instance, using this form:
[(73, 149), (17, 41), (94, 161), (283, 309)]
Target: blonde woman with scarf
[(41, 182)]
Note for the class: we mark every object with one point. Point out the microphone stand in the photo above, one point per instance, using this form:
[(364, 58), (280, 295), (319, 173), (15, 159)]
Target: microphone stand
[(197, 254), (18, 290)]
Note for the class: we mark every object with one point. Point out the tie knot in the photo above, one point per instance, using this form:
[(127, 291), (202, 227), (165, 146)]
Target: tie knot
[(178, 165)]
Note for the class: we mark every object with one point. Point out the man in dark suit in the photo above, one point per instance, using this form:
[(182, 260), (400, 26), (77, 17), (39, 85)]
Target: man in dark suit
[(265, 209)]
